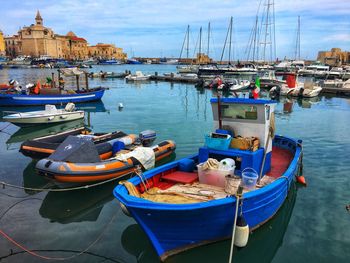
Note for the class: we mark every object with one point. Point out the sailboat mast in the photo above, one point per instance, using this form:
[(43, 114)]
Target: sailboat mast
[(255, 32), (298, 37), (183, 44), (230, 42), (266, 28), (200, 43), (297, 42), (274, 29), (208, 39)]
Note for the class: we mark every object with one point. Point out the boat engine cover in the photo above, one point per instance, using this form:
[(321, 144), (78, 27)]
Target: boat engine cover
[(76, 150)]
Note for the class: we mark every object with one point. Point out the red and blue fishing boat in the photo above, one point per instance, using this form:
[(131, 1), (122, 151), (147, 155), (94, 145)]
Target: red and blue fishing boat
[(15, 99), (189, 202)]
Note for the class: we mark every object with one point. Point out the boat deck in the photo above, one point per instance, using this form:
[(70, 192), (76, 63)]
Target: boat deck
[(280, 160), (176, 186)]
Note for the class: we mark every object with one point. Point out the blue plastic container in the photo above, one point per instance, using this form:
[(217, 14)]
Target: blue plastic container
[(249, 178), (217, 143)]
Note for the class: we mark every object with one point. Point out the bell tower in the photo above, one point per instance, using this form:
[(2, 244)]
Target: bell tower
[(38, 19)]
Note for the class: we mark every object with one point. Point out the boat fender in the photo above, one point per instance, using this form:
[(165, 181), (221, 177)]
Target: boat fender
[(301, 180), (125, 210), (242, 232)]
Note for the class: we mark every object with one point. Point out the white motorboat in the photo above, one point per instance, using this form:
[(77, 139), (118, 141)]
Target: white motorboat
[(346, 84), (138, 76), (238, 85), (269, 80), (50, 115), (303, 90), (187, 68)]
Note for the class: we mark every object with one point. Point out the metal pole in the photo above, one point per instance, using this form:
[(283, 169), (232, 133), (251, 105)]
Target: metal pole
[(77, 80), (219, 112), (52, 80), (86, 81)]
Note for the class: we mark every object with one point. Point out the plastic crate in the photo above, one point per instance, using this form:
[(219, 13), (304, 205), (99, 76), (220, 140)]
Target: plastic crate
[(217, 143)]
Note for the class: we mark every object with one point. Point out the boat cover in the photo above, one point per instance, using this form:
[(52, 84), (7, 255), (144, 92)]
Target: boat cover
[(145, 155), (76, 150)]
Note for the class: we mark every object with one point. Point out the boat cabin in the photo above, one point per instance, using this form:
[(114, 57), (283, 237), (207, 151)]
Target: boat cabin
[(241, 119)]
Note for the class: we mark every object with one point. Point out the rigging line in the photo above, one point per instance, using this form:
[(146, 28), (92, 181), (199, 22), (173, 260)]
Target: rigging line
[(59, 258), (183, 45), (63, 189), (223, 49), (195, 47)]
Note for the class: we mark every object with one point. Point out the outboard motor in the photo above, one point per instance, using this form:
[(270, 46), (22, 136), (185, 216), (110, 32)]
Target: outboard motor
[(275, 92), (301, 91), (147, 137)]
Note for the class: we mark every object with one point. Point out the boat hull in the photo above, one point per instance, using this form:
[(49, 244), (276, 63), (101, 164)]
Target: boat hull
[(175, 228), (93, 172), (49, 118), (29, 100)]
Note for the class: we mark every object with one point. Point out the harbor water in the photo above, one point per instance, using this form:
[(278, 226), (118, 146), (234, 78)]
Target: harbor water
[(87, 225)]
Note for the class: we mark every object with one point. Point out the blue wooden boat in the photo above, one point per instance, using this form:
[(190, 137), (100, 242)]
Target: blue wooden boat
[(28, 100), (174, 227)]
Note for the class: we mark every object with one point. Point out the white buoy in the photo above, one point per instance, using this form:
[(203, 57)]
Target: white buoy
[(120, 106), (242, 232)]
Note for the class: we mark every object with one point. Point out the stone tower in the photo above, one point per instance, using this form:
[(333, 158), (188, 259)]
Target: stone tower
[(38, 19)]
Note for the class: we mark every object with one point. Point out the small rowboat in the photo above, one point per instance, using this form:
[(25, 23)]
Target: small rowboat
[(182, 205), (73, 172), (40, 99), (50, 115), (42, 147)]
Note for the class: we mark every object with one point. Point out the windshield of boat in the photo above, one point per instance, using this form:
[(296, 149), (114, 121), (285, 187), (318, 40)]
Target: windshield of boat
[(239, 111)]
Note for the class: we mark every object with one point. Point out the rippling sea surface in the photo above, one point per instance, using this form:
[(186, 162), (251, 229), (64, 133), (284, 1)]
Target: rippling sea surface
[(312, 226)]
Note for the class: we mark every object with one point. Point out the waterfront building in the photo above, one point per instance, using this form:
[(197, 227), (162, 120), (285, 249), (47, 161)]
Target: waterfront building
[(335, 57), (75, 47), (2, 44), (37, 40), (12, 46), (106, 51)]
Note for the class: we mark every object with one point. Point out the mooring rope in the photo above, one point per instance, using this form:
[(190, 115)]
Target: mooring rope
[(61, 189), (62, 250), (33, 253)]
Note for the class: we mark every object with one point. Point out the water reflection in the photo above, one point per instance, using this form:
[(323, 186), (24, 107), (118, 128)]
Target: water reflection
[(78, 205), (32, 180), (28, 133), (262, 246)]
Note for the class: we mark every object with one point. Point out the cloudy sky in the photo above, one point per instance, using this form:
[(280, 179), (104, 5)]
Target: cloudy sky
[(157, 28)]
